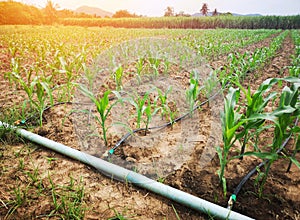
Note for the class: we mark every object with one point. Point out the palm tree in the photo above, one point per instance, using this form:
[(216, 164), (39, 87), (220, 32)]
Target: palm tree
[(204, 10), (169, 12), (51, 12), (215, 12)]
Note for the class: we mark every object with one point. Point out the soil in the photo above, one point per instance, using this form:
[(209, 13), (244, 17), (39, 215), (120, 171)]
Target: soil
[(103, 195)]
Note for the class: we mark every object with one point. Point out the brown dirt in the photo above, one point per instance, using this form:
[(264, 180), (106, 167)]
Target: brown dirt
[(104, 195)]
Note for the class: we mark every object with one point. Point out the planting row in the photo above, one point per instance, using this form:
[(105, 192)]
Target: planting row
[(239, 65), (214, 43)]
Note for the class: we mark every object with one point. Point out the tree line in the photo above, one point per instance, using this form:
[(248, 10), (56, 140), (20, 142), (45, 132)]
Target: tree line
[(18, 13)]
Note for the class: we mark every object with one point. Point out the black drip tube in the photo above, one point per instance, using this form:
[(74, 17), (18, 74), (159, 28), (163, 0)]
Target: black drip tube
[(232, 198), (127, 135)]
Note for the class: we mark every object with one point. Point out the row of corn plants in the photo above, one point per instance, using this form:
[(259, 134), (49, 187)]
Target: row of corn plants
[(247, 127), (55, 57), (246, 121), (239, 65), (239, 22), (44, 62), (214, 43), (294, 69)]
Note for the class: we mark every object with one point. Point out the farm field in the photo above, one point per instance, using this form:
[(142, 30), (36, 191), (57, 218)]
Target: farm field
[(53, 77)]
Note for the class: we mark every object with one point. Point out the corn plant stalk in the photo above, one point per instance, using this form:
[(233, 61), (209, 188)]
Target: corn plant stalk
[(103, 108), (150, 109), (230, 123)]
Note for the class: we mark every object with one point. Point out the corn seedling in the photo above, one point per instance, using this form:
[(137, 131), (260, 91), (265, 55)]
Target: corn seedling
[(193, 91), (139, 68), (117, 75), (150, 109), (40, 87), (281, 118), (154, 64), (230, 123), (103, 107), (162, 97), (255, 105), (138, 103)]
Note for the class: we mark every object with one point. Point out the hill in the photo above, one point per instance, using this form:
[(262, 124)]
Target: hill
[(93, 10)]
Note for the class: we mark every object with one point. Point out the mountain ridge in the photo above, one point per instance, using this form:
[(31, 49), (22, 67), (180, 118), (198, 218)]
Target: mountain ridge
[(93, 11)]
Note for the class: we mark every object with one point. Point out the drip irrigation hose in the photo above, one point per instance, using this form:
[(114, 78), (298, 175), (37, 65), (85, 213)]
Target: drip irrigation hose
[(24, 121), (127, 135), (120, 173), (232, 198)]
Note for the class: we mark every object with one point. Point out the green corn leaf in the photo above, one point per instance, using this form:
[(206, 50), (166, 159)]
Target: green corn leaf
[(262, 155), (283, 110), (295, 161), (48, 91)]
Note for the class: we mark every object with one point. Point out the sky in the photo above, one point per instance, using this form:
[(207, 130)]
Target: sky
[(157, 7)]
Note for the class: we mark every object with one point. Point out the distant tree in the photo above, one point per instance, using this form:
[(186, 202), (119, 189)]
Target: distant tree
[(65, 13), (227, 14), (124, 14), (50, 12), (17, 13), (182, 14), (169, 12), (204, 10), (215, 12)]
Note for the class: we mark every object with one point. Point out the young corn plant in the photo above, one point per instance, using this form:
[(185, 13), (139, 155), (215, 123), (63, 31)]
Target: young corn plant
[(139, 68), (231, 121), (255, 104), (166, 63), (283, 118), (117, 75), (67, 69), (155, 63), (193, 91), (138, 103), (149, 109), (162, 97), (103, 107), (39, 87)]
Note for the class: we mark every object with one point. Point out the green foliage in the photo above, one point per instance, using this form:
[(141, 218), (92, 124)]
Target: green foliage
[(38, 91), (236, 126), (261, 22), (139, 103), (103, 107), (124, 14), (294, 69), (193, 91), (162, 97), (17, 13), (68, 201), (149, 109), (117, 75), (230, 119)]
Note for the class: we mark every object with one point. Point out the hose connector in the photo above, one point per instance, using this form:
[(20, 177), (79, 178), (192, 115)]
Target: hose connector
[(231, 201)]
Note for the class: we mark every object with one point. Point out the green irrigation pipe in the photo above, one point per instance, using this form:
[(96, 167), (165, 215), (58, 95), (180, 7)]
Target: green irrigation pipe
[(137, 179)]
